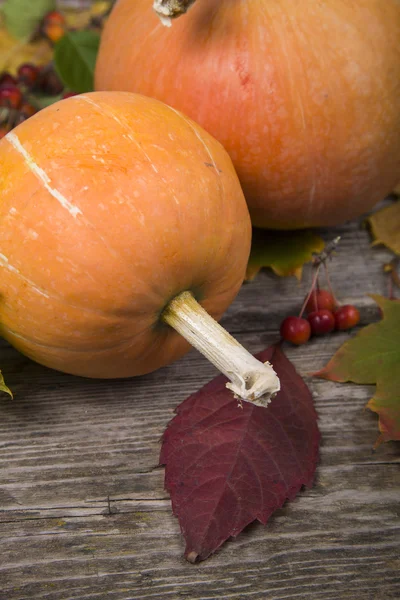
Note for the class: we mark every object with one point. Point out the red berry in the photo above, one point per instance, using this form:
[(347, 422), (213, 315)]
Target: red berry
[(3, 131), (54, 32), (28, 74), (295, 330), (26, 111), (49, 83), (55, 18), (346, 317), (321, 321), (54, 26), (10, 96), (320, 299), (69, 95), (7, 79)]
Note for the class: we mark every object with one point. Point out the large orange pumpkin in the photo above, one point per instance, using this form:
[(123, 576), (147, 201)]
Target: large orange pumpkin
[(304, 94), (111, 204)]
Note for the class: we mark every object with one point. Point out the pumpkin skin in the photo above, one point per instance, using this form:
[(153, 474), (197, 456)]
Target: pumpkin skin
[(304, 95), (111, 204)]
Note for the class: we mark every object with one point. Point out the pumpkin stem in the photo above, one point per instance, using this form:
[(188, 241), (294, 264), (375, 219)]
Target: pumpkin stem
[(251, 380), (170, 9)]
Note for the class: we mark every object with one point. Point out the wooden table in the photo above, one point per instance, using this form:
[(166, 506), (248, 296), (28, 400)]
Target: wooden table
[(83, 511)]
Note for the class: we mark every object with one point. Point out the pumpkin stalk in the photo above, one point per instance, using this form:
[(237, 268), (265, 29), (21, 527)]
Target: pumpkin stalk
[(170, 9), (250, 379)]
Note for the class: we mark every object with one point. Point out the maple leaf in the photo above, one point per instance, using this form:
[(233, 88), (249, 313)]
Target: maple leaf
[(285, 252), (227, 466), (373, 356), (385, 227), (13, 53), (23, 16), (3, 387)]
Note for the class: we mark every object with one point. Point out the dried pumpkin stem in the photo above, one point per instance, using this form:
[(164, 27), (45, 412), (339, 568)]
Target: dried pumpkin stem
[(251, 380), (170, 9)]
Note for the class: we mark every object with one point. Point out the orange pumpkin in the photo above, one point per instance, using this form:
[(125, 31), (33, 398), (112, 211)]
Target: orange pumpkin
[(304, 95), (111, 204)]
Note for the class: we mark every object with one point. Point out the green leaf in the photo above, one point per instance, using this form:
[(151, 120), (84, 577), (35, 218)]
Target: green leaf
[(3, 387), (75, 58), (373, 356), (285, 252), (23, 16)]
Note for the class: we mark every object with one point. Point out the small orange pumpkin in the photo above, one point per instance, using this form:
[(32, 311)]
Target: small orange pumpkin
[(303, 94), (111, 204)]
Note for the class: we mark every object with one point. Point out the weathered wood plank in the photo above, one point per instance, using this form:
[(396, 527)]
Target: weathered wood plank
[(83, 512)]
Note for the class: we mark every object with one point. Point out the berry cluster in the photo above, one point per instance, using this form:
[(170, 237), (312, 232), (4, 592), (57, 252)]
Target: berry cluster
[(53, 26), (18, 92), (324, 313), (14, 105)]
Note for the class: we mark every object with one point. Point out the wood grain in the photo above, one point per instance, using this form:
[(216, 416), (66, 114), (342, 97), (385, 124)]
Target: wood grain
[(83, 512)]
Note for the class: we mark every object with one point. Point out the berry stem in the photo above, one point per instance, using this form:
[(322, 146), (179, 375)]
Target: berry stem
[(312, 289), (327, 252), (251, 380), (328, 281)]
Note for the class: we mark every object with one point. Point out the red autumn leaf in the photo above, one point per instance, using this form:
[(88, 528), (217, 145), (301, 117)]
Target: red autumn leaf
[(227, 466)]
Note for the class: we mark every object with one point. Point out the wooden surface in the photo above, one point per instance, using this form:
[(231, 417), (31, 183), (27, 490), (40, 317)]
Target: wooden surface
[(82, 507)]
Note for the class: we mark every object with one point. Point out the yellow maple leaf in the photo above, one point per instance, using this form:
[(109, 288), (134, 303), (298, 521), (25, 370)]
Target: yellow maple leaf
[(14, 52), (3, 387), (385, 227)]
